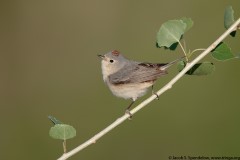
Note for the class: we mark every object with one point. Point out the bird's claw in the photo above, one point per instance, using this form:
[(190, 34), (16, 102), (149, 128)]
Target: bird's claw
[(129, 113), (157, 97), (154, 93)]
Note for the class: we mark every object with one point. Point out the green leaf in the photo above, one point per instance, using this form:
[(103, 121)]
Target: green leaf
[(62, 131), (188, 22), (228, 17), (222, 52), (199, 69), (172, 47), (170, 32), (54, 120), (181, 65)]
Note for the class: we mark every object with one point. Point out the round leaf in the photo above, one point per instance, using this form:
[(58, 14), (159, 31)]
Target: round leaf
[(62, 131), (222, 52), (170, 32), (188, 22), (228, 17), (199, 69)]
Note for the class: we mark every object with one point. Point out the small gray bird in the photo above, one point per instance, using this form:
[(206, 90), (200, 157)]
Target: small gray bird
[(130, 79)]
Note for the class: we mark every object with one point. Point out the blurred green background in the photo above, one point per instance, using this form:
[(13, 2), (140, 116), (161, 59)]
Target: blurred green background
[(48, 66)]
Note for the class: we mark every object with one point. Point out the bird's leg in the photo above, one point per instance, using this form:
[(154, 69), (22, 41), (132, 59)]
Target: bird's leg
[(155, 93), (127, 111)]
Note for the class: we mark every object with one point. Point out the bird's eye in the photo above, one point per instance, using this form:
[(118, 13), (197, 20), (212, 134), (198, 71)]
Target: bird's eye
[(111, 61)]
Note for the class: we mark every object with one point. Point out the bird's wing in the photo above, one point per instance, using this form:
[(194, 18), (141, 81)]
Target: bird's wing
[(137, 73)]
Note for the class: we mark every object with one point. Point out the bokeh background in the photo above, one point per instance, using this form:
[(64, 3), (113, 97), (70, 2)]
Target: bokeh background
[(48, 66)]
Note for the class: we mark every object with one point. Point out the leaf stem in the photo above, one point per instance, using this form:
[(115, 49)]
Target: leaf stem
[(151, 98), (199, 49), (184, 45), (183, 50), (64, 146)]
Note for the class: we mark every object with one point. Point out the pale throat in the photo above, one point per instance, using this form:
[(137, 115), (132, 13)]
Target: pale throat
[(108, 69)]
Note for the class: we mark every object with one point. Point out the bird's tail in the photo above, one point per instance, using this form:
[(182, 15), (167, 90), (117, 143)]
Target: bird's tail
[(171, 63)]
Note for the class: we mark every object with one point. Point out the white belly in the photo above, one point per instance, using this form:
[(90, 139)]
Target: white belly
[(130, 91)]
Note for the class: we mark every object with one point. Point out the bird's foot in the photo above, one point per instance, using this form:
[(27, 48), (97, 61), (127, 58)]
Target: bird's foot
[(154, 93), (129, 113), (157, 97)]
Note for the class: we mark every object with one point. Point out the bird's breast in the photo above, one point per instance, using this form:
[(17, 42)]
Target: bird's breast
[(130, 91)]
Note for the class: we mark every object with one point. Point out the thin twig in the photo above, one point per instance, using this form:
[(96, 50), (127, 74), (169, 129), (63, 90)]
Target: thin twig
[(151, 98), (195, 50)]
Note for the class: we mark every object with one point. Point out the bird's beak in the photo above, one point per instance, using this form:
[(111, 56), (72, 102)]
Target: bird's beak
[(101, 56)]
